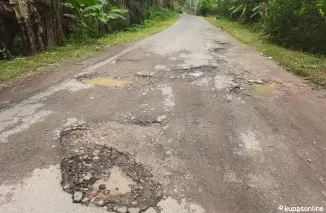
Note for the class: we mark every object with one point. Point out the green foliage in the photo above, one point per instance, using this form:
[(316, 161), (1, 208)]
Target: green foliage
[(206, 6), (92, 17), (187, 5), (297, 24), (242, 10), (301, 63), (158, 13), (81, 20), (4, 53), (178, 7), (78, 50), (321, 4), (291, 23)]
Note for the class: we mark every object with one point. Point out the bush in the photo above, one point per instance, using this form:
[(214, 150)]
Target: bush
[(206, 6), (291, 23), (177, 7), (223, 8), (92, 18), (4, 53), (120, 24), (158, 13), (248, 11), (297, 24)]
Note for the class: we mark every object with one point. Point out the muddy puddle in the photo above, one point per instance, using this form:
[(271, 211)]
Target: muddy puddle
[(110, 82), (264, 89), (117, 182)]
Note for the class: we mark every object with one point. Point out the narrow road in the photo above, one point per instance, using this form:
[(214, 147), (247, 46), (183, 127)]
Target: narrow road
[(185, 121)]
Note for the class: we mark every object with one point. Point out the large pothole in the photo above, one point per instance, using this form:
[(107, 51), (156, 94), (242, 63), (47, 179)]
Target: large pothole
[(98, 175)]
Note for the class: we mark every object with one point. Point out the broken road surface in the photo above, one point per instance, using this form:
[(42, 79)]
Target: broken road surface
[(185, 121)]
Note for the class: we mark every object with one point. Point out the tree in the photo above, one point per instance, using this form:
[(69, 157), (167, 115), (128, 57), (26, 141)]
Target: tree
[(30, 24), (296, 24), (39, 23), (51, 16), (8, 28)]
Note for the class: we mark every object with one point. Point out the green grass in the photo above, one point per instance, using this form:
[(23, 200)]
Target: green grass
[(303, 64), (72, 51)]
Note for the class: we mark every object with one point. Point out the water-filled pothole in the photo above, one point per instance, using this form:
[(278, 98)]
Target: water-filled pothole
[(99, 175), (110, 82), (264, 89), (95, 79), (116, 182)]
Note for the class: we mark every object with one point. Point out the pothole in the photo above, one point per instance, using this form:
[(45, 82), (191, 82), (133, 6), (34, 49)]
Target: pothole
[(218, 49), (192, 75), (204, 68), (94, 79), (221, 42), (116, 182), (236, 89), (99, 175), (144, 122), (84, 76), (106, 82), (264, 89), (222, 82)]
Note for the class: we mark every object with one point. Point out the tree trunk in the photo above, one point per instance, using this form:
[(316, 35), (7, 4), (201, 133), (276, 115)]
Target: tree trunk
[(52, 22), (30, 24), (10, 31), (37, 27)]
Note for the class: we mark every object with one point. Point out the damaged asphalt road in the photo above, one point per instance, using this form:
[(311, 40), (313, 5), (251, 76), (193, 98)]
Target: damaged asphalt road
[(185, 121)]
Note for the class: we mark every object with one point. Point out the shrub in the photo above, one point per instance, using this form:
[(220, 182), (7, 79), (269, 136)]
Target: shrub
[(4, 53), (158, 13), (177, 7), (243, 10), (206, 6), (296, 24), (223, 8), (92, 18)]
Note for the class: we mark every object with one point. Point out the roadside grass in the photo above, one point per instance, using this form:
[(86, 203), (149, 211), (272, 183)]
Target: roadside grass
[(310, 66), (72, 51)]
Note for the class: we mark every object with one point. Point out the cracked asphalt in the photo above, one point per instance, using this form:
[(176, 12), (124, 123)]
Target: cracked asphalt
[(221, 127)]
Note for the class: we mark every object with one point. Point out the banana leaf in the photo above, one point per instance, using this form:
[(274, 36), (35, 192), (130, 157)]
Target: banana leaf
[(21, 8)]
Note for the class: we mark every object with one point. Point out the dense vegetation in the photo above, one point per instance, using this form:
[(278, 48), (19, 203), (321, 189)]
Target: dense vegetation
[(299, 24), (29, 26)]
